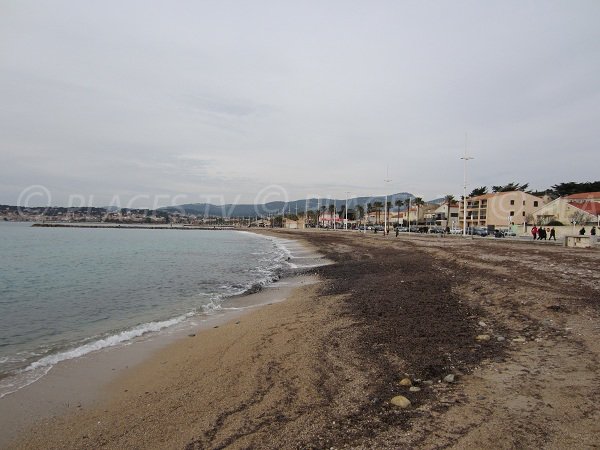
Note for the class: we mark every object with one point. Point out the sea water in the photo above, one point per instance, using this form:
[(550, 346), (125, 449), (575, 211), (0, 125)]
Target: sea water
[(65, 292)]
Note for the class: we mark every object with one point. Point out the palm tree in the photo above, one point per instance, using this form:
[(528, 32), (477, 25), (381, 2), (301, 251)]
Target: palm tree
[(332, 214), (377, 208), (418, 201), (360, 212), (399, 204), (449, 199)]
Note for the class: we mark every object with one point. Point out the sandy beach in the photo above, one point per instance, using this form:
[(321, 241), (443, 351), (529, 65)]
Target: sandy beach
[(514, 324)]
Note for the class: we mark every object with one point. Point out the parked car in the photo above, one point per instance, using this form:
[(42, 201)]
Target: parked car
[(504, 232), (483, 232), (477, 231)]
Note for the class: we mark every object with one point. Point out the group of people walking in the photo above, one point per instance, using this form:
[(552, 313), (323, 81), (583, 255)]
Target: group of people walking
[(541, 233)]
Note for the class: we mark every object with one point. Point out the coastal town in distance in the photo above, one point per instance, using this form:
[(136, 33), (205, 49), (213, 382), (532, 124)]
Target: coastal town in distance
[(506, 211)]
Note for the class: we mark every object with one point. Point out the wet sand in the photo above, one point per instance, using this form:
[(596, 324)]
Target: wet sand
[(319, 370), (81, 383)]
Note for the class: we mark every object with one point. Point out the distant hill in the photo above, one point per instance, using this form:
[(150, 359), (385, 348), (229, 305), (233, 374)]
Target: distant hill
[(250, 210), (437, 201)]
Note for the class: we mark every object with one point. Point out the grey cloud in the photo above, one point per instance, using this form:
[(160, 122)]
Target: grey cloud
[(225, 97)]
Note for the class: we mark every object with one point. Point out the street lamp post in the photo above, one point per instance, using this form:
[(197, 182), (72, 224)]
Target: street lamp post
[(408, 214), (334, 214), (465, 158), (346, 212), (385, 210), (319, 213)]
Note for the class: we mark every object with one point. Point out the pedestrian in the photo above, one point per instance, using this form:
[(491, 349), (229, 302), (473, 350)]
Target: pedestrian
[(397, 231), (593, 231), (552, 234), (582, 231), (541, 234), (534, 231)]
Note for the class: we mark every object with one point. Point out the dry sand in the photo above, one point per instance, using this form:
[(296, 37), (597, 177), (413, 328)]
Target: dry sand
[(319, 370)]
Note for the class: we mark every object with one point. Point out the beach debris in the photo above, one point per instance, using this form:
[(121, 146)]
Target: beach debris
[(238, 322), (483, 337), (519, 339), (401, 401), (449, 378), (405, 382), (216, 326), (192, 335), (414, 389)]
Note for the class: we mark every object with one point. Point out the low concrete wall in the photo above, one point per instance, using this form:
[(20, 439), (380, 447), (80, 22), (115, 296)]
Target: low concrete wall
[(580, 241)]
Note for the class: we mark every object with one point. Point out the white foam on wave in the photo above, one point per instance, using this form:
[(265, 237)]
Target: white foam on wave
[(109, 341), (288, 250), (42, 366)]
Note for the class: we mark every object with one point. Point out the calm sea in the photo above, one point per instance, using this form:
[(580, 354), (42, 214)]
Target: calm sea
[(65, 292)]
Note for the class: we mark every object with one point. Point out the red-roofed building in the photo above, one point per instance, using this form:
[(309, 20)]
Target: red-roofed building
[(584, 207), (591, 208), (584, 197)]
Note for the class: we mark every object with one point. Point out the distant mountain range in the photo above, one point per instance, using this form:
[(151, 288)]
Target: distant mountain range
[(249, 210)]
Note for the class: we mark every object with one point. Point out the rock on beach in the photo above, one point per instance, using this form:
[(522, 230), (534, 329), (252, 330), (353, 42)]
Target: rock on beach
[(401, 401)]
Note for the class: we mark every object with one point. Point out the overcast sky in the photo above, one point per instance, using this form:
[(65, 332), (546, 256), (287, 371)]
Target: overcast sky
[(227, 100)]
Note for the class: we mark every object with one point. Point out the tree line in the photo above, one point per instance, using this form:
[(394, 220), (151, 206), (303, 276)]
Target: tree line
[(555, 191)]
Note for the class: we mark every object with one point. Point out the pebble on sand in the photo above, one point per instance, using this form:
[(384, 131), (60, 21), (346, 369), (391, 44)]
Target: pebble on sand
[(400, 401), (405, 382), (483, 337), (449, 378), (414, 389)]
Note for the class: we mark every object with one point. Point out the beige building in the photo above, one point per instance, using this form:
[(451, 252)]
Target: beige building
[(500, 209), (441, 213), (294, 224), (420, 215)]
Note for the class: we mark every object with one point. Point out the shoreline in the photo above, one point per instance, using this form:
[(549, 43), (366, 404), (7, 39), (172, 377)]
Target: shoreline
[(291, 260), (79, 382), (127, 226), (320, 370)]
